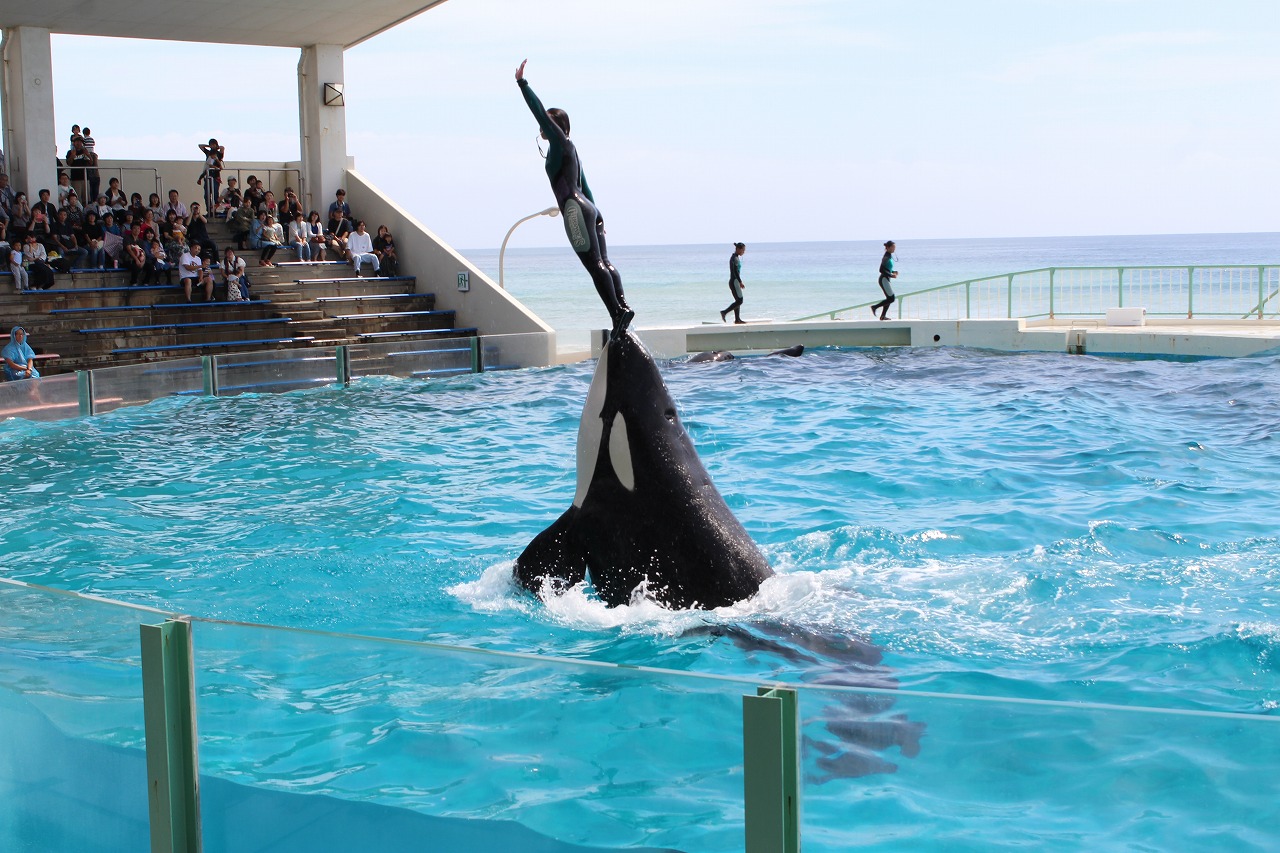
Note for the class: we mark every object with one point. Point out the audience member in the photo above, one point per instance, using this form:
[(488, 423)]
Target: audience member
[(290, 208), (116, 198), (240, 221), (337, 232), (191, 270), (384, 246), (198, 232), (253, 191), (159, 263), (234, 276), (7, 193), (64, 237), (272, 238), (43, 214), (93, 233), (176, 206), (112, 242), (19, 218), (229, 200), (360, 249), (64, 188), (135, 260), (136, 207), (300, 237), (17, 266), (19, 357), (39, 273), (78, 162), (315, 235), (95, 180), (156, 208), (211, 177), (339, 206), (268, 205)]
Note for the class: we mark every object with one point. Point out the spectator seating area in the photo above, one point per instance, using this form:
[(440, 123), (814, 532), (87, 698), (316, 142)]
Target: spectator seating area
[(92, 319)]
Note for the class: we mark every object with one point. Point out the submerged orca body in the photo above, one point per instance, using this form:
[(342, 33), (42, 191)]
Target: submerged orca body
[(645, 512), (724, 355)]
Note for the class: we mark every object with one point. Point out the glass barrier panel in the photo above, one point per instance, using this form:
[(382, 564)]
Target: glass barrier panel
[(49, 398), (510, 352), (900, 771), (308, 739), (132, 384), (271, 371), (73, 772), (421, 358)]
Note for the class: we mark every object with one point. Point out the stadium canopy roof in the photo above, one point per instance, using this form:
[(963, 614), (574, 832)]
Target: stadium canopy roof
[(270, 23)]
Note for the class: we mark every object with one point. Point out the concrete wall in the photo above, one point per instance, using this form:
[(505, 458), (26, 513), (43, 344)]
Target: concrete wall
[(493, 310)]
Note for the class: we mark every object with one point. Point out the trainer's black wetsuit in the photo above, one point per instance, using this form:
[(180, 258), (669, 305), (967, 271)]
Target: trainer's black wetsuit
[(582, 220), (735, 287), (886, 275)]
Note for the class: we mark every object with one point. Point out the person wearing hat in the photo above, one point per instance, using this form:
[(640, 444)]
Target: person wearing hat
[(18, 357), (887, 272)]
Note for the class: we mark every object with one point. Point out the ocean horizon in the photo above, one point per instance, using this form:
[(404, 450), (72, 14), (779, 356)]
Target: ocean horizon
[(682, 284)]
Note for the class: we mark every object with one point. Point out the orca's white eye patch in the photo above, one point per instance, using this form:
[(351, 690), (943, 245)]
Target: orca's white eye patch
[(620, 453)]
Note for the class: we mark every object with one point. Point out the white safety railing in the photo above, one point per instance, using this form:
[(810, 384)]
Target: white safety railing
[(1235, 291)]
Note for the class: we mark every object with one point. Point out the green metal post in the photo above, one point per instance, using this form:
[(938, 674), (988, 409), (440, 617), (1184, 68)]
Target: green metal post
[(1052, 270), (84, 382), (477, 366), (209, 366), (168, 695), (1191, 286), (1262, 290), (1120, 286), (968, 304), (771, 771), (343, 366)]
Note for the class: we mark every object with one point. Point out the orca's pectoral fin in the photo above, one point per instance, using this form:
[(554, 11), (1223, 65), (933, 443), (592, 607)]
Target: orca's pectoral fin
[(553, 555)]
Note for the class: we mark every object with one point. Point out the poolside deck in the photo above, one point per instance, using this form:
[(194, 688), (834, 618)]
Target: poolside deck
[(1165, 338)]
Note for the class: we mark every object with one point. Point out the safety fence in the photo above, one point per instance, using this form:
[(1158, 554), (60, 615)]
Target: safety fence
[(91, 392), (1241, 291), (127, 727)]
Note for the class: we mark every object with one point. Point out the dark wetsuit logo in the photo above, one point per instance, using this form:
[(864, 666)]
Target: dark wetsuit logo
[(576, 227)]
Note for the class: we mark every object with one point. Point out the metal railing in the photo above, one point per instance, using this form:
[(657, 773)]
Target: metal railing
[(1235, 291)]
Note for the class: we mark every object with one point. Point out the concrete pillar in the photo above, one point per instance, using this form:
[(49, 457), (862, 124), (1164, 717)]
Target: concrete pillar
[(30, 138), (323, 128)]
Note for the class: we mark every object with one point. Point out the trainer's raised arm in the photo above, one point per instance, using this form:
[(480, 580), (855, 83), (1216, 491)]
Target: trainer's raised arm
[(520, 70)]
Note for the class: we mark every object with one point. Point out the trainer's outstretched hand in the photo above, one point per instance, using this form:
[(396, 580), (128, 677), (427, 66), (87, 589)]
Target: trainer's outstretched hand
[(520, 71)]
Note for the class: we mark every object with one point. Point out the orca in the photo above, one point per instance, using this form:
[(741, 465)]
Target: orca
[(724, 355), (645, 514)]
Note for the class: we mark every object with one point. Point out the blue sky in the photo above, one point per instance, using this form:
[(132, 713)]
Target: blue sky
[(712, 121)]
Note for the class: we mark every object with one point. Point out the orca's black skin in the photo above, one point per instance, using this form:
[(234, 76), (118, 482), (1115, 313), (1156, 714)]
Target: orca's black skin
[(713, 355), (646, 511), (725, 355)]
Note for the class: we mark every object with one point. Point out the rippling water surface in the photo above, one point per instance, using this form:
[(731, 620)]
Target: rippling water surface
[(1033, 526)]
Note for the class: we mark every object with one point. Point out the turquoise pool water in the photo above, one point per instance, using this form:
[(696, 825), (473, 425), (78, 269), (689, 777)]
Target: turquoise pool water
[(1032, 526)]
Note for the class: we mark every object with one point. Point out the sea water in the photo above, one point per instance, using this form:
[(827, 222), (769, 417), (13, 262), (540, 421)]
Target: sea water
[(679, 285), (944, 522)]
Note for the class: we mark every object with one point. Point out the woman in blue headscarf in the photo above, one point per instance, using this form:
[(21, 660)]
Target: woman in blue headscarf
[(19, 358)]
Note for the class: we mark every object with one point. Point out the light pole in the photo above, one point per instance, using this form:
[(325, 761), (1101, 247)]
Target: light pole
[(550, 211)]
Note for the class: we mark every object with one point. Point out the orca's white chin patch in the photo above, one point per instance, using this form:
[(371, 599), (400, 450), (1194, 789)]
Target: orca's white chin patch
[(620, 453)]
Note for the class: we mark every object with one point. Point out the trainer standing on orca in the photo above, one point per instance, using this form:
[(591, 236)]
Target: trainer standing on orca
[(582, 220), (735, 283), (887, 271)]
